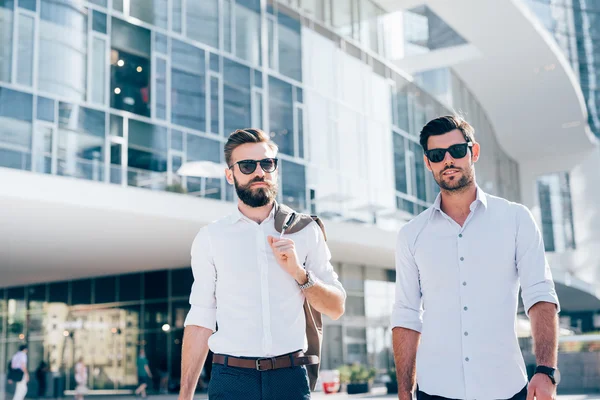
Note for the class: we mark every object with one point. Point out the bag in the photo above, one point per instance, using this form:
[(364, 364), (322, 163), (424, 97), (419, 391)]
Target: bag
[(294, 222), (14, 374)]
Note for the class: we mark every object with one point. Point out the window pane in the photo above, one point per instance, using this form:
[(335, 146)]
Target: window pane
[(81, 142), (130, 288), (99, 22), (257, 110), (200, 149), (130, 68), (290, 47), (101, 3), (237, 102), (147, 155), (105, 290), (293, 182), (62, 67), (214, 105), (27, 4), (271, 43), (258, 82), (151, 11), (202, 21), (15, 129), (16, 313), (247, 31), (118, 5), (160, 43), (181, 282), (45, 109), (161, 89), (98, 70), (156, 285), (215, 64), (177, 16), (58, 292), (420, 184), (188, 93), (177, 140), (116, 165), (6, 22), (227, 25), (43, 150), (281, 115), (25, 46), (155, 316), (300, 130), (400, 163), (81, 292)]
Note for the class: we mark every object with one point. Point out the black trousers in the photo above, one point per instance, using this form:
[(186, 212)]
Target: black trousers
[(522, 395)]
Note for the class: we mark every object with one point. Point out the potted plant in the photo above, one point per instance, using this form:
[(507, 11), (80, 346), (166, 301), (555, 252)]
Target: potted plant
[(176, 188), (392, 384), (357, 377)]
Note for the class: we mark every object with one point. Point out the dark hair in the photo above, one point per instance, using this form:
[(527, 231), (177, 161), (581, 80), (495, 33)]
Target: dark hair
[(243, 136), (22, 347), (442, 125)]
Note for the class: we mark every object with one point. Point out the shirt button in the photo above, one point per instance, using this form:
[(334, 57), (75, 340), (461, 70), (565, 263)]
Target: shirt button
[(460, 235), (466, 333), (467, 359), (465, 308), (464, 283), (462, 259)]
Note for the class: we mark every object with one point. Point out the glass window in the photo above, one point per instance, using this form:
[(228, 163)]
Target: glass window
[(98, 70), (105, 290), (202, 21), (300, 131), (227, 27), (43, 149), (118, 5), (147, 155), (177, 15), (16, 313), (81, 292), (290, 47), (155, 316), (151, 11), (400, 163), (247, 30), (99, 21), (214, 104), (258, 81), (177, 140), (45, 109), (281, 115), (557, 215), (215, 64), (181, 283), (58, 292), (419, 186), (236, 96), (62, 66), (130, 287), (81, 142), (161, 89), (156, 285), (25, 50), (130, 68), (188, 93), (101, 3), (257, 110), (293, 183), (271, 43), (116, 163), (199, 149), (355, 306), (28, 4), (160, 43), (6, 22), (16, 110)]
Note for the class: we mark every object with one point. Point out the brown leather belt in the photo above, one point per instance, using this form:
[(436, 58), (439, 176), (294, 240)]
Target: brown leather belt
[(266, 364)]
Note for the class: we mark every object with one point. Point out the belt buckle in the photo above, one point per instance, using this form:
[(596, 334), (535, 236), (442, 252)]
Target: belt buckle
[(258, 363)]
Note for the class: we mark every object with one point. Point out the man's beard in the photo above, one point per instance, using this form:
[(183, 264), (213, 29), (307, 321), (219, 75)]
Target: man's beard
[(257, 197), (456, 186)]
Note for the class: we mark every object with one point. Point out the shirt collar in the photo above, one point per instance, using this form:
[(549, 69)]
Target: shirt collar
[(237, 215), (481, 198)]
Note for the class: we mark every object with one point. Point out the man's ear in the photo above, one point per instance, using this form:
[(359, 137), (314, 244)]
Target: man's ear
[(229, 175)]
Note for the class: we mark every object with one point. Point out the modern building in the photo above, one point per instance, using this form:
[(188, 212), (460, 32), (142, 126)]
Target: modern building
[(102, 101)]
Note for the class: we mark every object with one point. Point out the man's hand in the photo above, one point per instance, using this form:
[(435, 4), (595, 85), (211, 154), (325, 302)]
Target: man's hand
[(541, 388), (285, 254)]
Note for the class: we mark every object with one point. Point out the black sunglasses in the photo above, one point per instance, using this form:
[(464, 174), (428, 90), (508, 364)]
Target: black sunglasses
[(456, 151), (249, 166)]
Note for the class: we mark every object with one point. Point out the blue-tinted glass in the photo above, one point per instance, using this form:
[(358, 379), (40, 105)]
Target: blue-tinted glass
[(28, 4), (150, 11), (81, 292), (300, 125), (15, 105), (188, 93), (290, 47), (400, 163), (181, 282), (25, 41), (130, 287), (7, 17), (15, 128), (419, 171), (156, 285), (45, 109), (10, 4), (281, 115), (200, 149), (101, 3), (202, 21), (177, 140), (236, 96), (99, 22), (105, 290), (214, 63), (299, 95), (160, 43), (161, 88), (247, 32), (293, 184), (251, 4), (146, 135), (58, 292), (118, 5), (258, 81), (147, 155), (214, 105), (176, 15)]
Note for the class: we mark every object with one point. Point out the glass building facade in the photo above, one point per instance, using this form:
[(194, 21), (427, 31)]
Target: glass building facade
[(124, 92)]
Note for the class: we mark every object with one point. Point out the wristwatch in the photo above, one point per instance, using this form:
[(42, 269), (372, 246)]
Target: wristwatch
[(552, 373), (310, 282)]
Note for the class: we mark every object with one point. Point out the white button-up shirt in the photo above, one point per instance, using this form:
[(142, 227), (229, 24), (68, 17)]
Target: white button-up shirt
[(459, 287), (239, 286), (19, 360)]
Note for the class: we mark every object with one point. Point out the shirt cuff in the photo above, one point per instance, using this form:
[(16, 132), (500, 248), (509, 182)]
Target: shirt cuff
[(201, 316), (532, 299), (407, 318)]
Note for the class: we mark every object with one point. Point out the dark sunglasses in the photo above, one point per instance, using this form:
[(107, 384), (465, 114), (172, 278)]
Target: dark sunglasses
[(456, 151), (249, 166)]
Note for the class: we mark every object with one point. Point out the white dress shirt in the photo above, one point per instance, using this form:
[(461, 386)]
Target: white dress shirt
[(19, 360), (459, 287), (239, 286)]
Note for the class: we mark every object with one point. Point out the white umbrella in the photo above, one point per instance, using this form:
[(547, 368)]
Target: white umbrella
[(202, 169)]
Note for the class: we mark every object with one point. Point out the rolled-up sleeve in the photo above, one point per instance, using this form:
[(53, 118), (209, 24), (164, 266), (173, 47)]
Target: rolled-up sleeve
[(534, 272), (318, 259), (203, 311), (407, 312)]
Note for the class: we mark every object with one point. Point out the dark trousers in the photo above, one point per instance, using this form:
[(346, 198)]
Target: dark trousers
[(522, 395), (231, 383)]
